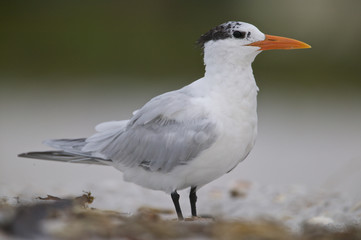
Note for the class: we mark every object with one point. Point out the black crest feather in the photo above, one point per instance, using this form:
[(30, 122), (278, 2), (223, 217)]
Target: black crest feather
[(222, 31)]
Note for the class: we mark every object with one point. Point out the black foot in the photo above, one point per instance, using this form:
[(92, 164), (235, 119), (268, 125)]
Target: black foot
[(193, 200), (175, 198)]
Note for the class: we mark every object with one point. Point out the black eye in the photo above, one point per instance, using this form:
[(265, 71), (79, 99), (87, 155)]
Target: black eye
[(238, 34)]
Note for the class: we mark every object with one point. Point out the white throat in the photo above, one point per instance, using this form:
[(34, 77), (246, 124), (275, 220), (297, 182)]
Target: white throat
[(230, 70), (222, 56)]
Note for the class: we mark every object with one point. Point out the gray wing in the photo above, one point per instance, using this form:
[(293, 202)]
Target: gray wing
[(158, 137)]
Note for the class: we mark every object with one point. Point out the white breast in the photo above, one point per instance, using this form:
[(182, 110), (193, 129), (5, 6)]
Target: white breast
[(236, 119)]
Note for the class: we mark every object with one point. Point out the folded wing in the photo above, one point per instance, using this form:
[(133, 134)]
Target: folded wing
[(160, 136)]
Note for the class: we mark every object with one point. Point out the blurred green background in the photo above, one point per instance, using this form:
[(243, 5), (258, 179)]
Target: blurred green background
[(67, 65), (47, 43)]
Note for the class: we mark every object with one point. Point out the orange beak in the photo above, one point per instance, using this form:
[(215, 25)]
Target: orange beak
[(275, 42)]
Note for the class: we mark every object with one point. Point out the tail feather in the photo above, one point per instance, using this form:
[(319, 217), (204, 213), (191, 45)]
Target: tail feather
[(62, 156), (69, 145)]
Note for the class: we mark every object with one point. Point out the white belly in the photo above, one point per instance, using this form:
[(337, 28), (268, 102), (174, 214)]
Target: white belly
[(231, 147)]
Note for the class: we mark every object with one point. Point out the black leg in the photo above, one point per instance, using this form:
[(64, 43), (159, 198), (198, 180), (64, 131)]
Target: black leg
[(175, 198), (193, 200)]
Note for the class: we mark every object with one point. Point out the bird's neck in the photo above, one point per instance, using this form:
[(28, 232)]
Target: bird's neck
[(231, 73)]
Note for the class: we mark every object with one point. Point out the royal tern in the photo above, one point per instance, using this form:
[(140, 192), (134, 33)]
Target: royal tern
[(191, 136)]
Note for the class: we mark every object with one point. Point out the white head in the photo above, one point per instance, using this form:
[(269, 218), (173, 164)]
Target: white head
[(238, 43)]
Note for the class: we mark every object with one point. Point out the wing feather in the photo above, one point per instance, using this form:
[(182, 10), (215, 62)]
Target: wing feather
[(158, 137)]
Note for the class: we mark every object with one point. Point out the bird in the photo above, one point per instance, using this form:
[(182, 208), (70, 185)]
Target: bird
[(188, 137)]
